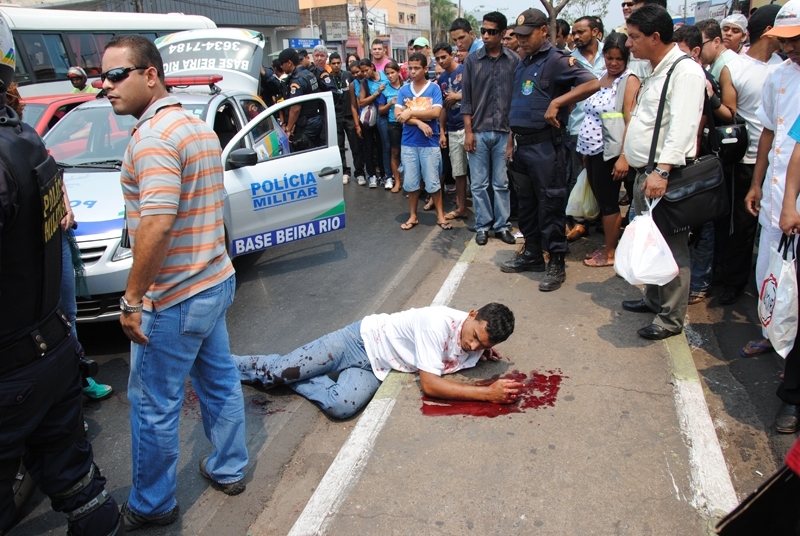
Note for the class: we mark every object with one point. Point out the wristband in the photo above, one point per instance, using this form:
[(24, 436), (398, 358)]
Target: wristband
[(715, 102)]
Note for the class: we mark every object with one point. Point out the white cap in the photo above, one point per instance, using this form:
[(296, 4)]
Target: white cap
[(737, 19), (787, 22)]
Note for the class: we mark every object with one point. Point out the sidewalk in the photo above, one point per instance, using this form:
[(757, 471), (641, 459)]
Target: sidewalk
[(609, 456)]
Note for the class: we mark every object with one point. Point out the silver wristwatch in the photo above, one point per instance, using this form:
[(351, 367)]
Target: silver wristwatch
[(126, 307), (664, 174)]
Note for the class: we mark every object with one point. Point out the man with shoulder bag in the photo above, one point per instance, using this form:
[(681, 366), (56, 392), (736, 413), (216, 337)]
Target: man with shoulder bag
[(661, 138)]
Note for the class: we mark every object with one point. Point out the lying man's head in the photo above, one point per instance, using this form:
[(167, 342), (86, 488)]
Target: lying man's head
[(490, 325)]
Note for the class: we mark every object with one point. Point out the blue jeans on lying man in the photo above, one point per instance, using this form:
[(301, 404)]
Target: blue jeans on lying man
[(189, 338), (306, 371)]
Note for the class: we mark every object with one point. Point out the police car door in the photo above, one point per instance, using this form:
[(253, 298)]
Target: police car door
[(276, 196)]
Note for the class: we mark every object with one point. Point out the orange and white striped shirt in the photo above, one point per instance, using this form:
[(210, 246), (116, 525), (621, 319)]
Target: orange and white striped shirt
[(173, 166)]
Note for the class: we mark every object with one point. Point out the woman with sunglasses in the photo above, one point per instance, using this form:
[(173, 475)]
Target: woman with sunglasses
[(604, 168)]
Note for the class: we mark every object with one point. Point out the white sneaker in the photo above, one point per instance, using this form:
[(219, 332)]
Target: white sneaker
[(389, 184), (345, 178), (361, 180), (373, 182)]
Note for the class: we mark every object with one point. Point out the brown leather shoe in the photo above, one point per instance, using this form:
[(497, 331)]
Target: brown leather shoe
[(578, 231)]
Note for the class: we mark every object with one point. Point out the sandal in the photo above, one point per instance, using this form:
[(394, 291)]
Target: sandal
[(695, 298), (444, 225), (756, 347), (593, 254), (409, 225), (453, 215), (598, 262)]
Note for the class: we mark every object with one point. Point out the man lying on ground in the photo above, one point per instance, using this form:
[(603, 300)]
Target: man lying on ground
[(432, 341)]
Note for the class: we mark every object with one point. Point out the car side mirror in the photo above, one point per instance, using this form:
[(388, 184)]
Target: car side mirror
[(240, 158)]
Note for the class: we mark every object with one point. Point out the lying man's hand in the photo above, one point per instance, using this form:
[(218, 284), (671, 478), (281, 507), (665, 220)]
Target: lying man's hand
[(491, 354), (504, 391)]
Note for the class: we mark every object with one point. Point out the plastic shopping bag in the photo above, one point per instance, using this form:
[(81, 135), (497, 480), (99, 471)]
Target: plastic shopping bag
[(643, 256), (591, 209), (777, 297), (575, 201)]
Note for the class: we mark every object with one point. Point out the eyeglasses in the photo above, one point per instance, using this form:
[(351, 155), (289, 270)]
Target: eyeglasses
[(490, 31), (119, 74), (705, 43), (627, 4)]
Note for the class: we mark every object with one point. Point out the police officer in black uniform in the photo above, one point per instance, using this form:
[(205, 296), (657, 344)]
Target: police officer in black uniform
[(304, 122), (41, 417), (542, 93)]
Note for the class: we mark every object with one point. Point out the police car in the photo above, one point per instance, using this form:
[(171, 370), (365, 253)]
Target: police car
[(272, 195)]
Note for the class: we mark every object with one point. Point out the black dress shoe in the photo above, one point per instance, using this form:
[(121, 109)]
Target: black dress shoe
[(729, 295), (786, 419), (636, 306), (471, 228), (481, 237), (656, 332), (506, 237)]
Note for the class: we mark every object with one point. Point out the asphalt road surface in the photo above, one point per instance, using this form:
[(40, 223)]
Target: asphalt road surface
[(285, 296)]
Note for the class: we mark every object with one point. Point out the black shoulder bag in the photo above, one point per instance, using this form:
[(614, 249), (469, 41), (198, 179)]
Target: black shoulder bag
[(696, 193)]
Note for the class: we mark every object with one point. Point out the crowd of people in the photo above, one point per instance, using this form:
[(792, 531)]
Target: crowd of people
[(511, 118)]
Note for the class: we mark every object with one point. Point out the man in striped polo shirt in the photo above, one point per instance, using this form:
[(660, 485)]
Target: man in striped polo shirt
[(180, 286)]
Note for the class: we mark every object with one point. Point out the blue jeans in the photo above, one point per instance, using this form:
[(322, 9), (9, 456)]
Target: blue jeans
[(188, 338), (386, 145), (702, 257), (306, 371), (488, 163), (67, 297)]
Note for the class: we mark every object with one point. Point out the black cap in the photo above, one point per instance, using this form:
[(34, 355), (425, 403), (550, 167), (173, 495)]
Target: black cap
[(762, 17), (529, 20), (287, 54)]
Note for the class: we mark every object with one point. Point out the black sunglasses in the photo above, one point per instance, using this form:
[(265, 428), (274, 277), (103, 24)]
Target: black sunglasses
[(490, 31), (627, 4), (119, 74)]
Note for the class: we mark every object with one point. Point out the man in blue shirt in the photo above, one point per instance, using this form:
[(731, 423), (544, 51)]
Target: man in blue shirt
[(451, 124), (418, 107), (464, 37)]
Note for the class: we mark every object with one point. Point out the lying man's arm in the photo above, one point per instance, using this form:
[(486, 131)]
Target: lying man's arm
[(500, 392)]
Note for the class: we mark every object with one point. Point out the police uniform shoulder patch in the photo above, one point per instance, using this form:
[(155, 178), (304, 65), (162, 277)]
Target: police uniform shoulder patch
[(293, 88), (572, 61)]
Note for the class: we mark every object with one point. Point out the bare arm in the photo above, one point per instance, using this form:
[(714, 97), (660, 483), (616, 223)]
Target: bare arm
[(753, 199), (790, 219), (632, 86), (727, 112), (443, 129), (577, 94), (294, 115), (500, 392)]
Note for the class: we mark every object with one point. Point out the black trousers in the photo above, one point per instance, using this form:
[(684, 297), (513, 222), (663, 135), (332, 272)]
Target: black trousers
[(346, 127), (738, 257), (789, 389), (41, 421), (373, 150), (542, 217)]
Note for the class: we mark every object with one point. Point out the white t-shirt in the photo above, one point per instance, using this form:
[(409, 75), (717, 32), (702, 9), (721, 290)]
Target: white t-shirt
[(779, 110), (426, 339), (748, 75)]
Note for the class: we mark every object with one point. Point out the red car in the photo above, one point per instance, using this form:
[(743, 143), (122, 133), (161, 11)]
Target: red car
[(44, 111)]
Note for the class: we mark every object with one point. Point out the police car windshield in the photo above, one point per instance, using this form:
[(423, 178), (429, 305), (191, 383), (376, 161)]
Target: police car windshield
[(95, 136)]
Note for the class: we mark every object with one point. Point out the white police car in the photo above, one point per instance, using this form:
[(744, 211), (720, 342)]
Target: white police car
[(273, 196)]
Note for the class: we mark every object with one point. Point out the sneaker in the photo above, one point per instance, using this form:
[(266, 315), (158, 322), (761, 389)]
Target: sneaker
[(134, 521), (97, 391), (234, 488), (450, 188), (389, 184), (345, 178), (361, 180), (373, 182)]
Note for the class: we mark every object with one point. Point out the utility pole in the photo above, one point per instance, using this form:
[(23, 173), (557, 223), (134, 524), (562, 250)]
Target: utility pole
[(365, 27)]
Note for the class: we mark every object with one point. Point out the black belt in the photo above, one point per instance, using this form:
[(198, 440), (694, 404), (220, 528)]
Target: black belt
[(35, 344), (536, 137)]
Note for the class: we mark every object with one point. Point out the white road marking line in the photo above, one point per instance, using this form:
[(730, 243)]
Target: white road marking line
[(349, 463)]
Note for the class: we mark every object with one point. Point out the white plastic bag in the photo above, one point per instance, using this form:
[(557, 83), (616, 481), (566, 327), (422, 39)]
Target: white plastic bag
[(777, 297), (643, 256)]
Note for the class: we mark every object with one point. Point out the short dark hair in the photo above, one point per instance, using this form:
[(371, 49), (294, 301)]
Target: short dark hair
[(302, 53), (497, 18), (441, 45), (499, 321), (590, 19), (616, 41), (653, 18), (377, 42), (366, 62), (392, 65), (354, 55), (662, 3), (142, 51), (461, 24), (411, 42), (710, 27), (420, 57), (689, 34), (562, 27), (600, 26), (354, 64), (334, 56)]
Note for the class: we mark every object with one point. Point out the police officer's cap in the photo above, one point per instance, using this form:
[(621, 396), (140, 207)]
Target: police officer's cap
[(529, 20), (286, 55)]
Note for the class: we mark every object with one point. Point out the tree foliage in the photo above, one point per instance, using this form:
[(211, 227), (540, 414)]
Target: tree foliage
[(581, 8), (553, 8), (443, 13)]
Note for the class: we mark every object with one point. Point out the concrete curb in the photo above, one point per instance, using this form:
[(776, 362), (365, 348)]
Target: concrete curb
[(352, 457), (712, 488)]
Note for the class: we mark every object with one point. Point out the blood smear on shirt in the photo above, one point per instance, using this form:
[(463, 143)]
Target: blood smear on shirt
[(538, 389)]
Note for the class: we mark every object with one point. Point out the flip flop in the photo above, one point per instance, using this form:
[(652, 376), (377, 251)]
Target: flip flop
[(595, 262), (593, 254), (409, 225), (453, 215), (444, 225), (758, 347)]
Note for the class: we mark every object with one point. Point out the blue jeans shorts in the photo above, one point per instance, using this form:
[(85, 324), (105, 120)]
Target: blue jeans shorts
[(421, 163)]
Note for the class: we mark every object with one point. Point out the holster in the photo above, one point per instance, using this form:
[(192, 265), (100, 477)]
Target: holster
[(522, 183)]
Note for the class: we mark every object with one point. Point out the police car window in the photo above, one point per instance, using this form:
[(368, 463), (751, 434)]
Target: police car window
[(226, 124), (46, 55)]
